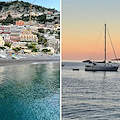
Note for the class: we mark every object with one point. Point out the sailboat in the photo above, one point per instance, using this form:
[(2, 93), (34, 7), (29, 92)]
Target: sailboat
[(102, 66)]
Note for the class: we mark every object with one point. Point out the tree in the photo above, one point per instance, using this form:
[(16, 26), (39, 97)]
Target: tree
[(16, 49), (44, 42), (52, 31), (58, 32), (2, 48), (9, 19), (41, 30), (32, 46), (57, 37), (50, 20), (41, 18), (41, 40), (8, 45), (34, 50), (45, 50)]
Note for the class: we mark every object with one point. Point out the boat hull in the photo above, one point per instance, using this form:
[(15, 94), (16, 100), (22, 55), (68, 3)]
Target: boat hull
[(92, 68), (75, 69)]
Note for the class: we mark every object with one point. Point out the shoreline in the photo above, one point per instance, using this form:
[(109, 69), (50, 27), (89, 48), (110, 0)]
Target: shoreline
[(29, 60)]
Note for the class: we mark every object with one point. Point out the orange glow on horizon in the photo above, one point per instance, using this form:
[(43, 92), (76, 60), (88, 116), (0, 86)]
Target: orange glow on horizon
[(82, 47), (82, 23)]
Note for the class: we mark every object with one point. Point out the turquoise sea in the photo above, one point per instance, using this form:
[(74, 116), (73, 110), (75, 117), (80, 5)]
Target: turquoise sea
[(30, 92)]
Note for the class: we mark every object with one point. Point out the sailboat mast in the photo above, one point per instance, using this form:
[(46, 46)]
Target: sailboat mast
[(105, 44)]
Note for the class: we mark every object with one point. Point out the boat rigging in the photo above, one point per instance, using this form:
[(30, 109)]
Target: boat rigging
[(103, 66)]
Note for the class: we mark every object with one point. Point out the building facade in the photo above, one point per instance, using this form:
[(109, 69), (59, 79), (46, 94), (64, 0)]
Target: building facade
[(20, 23), (28, 38), (1, 42)]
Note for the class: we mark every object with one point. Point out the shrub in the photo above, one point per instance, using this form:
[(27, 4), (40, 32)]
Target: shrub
[(7, 44), (45, 50), (16, 49)]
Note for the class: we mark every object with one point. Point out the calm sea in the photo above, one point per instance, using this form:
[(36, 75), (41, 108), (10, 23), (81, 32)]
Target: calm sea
[(89, 95), (30, 92)]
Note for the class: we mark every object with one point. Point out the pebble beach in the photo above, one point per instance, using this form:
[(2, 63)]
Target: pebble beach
[(28, 59)]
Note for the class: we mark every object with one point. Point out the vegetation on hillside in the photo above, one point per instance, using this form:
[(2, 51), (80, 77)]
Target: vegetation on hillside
[(16, 49), (41, 40), (45, 50), (32, 46), (8, 45), (22, 7), (2, 48)]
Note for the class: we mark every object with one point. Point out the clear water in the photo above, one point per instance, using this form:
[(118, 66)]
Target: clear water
[(30, 92), (89, 95)]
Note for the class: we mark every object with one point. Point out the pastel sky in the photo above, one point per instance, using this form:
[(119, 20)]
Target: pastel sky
[(82, 23), (45, 3)]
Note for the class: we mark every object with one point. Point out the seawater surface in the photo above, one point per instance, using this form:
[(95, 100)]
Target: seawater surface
[(30, 92), (89, 95)]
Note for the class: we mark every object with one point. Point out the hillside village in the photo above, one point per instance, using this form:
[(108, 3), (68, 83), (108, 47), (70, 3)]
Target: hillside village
[(29, 29)]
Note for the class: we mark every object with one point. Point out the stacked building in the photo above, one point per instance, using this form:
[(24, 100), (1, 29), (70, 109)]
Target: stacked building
[(16, 33)]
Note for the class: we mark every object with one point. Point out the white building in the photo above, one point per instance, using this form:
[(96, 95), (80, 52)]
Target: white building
[(1, 42), (19, 45), (49, 16), (28, 38)]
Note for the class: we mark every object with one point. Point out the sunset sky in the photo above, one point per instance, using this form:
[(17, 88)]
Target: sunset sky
[(83, 22)]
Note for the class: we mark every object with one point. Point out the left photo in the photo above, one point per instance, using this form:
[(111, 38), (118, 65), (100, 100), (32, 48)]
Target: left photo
[(29, 60)]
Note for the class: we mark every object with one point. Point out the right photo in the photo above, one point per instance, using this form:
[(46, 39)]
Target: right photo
[(90, 60)]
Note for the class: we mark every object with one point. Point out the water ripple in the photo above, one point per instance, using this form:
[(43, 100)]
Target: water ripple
[(90, 95), (30, 92)]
